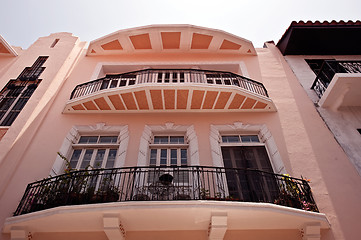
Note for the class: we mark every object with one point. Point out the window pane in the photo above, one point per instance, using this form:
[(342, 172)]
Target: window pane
[(108, 139), (153, 157), (87, 157), (176, 139), (111, 158), (163, 157), (251, 138), (99, 158), (173, 157), (74, 158), (230, 139), (161, 139), (184, 157), (88, 139)]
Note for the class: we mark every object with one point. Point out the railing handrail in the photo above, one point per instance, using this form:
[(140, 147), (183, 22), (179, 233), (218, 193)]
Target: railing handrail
[(166, 183), (114, 76), (76, 172), (335, 67)]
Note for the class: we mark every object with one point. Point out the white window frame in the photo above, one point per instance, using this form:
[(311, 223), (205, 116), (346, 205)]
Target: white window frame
[(96, 147), (168, 129), (73, 137), (168, 147), (238, 128)]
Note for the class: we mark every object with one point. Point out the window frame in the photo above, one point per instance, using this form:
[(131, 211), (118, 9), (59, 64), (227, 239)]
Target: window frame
[(73, 137), (168, 147), (95, 147)]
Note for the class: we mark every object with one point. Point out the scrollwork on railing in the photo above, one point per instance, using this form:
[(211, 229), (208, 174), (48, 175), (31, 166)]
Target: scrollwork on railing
[(328, 70), (166, 184)]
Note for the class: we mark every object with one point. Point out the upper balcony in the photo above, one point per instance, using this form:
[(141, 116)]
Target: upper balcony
[(338, 84), (170, 90)]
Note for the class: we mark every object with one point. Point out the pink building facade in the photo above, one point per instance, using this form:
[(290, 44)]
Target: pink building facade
[(166, 131)]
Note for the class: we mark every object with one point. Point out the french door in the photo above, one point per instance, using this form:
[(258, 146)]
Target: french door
[(245, 181)]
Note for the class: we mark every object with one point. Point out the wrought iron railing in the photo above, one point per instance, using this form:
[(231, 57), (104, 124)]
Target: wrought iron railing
[(168, 76), (166, 184), (328, 70)]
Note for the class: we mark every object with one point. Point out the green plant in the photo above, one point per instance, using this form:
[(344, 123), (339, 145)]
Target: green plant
[(204, 193)]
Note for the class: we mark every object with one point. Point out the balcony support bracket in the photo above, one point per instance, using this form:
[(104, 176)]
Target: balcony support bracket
[(217, 226), (113, 227), (311, 231)]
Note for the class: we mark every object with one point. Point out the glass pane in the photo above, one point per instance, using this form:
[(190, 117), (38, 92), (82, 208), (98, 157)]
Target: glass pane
[(161, 139), (176, 139), (184, 157), (6, 103), (99, 158), (87, 157), (251, 138), (74, 158), (230, 139), (10, 118), (88, 139), (111, 158), (163, 157), (173, 157), (108, 139), (153, 157)]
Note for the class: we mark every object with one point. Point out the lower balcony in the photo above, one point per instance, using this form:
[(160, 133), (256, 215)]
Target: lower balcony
[(166, 184), (208, 200)]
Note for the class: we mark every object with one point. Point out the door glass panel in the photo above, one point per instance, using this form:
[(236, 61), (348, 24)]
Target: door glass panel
[(74, 158), (99, 158), (111, 158), (87, 158), (153, 157), (163, 157), (173, 157), (184, 161)]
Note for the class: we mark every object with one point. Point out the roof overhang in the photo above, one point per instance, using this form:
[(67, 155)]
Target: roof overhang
[(6, 49), (172, 215), (326, 38), (171, 98), (170, 38), (344, 91)]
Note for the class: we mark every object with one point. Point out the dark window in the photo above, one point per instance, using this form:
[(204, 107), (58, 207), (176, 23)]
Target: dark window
[(359, 130), (17, 93)]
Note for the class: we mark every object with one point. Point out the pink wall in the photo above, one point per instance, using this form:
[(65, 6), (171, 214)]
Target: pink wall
[(305, 144)]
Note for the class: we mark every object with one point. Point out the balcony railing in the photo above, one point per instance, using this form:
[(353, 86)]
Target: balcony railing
[(166, 184), (169, 76), (328, 70)]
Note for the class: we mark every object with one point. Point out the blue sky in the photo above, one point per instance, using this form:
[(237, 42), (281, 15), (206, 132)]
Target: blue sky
[(23, 21)]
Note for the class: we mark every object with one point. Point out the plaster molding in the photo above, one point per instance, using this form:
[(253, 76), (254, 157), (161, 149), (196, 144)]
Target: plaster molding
[(263, 133), (171, 128), (100, 128)]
